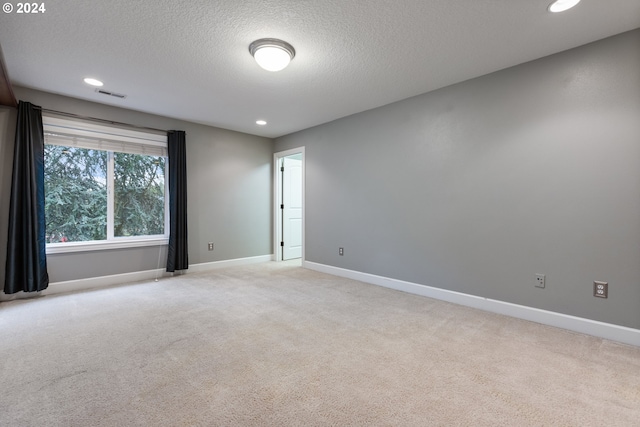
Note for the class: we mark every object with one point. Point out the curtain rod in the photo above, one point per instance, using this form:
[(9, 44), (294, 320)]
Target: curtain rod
[(77, 116)]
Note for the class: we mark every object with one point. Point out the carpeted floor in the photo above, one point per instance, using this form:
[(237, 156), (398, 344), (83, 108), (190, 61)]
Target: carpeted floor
[(277, 345)]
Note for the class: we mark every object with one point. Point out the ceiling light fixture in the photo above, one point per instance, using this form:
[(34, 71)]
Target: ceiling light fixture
[(261, 122), (93, 82), (562, 5), (272, 54)]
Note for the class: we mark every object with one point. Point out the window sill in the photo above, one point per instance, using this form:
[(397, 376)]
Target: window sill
[(62, 248)]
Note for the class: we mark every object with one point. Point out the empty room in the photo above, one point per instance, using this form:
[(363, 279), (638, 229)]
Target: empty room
[(288, 213)]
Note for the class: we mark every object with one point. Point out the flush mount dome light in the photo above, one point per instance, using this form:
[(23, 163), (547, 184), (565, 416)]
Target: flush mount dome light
[(261, 122), (562, 5), (272, 54), (93, 82)]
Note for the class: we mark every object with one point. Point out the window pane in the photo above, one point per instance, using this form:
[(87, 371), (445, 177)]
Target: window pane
[(138, 195), (75, 194)]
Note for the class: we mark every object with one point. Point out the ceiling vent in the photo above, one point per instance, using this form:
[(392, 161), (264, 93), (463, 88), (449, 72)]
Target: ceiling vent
[(106, 92)]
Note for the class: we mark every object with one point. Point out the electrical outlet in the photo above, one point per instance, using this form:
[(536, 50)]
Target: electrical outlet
[(210, 246), (600, 289), (341, 251), (540, 280)]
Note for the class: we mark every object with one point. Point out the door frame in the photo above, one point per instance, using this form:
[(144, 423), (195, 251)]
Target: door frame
[(277, 200)]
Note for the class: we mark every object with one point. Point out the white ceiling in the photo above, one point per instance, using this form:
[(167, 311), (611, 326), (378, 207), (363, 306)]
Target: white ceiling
[(190, 59)]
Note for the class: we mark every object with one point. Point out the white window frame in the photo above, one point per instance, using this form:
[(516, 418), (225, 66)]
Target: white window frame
[(132, 141)]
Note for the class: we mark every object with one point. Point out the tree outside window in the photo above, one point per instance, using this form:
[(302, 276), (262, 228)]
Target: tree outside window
[(78, 182)]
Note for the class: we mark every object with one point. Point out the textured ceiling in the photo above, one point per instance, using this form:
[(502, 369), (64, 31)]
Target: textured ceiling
[(190, 59)]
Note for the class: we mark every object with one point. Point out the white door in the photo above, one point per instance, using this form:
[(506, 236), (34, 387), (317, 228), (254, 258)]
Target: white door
[(292, 207)]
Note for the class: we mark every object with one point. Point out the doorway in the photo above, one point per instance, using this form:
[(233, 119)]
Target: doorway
[(289, 205)]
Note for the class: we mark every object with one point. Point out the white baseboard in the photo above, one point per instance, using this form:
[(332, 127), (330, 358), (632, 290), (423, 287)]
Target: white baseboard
[(88, 283), (577, 324), (119, 279), (229, 263)]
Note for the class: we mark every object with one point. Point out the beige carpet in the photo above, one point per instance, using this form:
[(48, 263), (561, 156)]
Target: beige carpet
[(277, 345)]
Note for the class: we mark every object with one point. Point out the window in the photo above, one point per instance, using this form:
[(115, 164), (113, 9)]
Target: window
[(104, 187)]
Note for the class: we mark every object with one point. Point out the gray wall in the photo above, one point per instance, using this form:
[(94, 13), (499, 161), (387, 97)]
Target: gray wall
[(479, 186), (229, 192)]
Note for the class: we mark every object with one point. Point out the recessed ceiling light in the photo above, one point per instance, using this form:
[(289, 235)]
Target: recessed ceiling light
[(272, 54), (261, 122), (562, 5), (93, 82)]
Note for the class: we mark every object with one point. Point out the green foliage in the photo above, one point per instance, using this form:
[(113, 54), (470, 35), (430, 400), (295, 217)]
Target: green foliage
[(76, 194), (139, 195)]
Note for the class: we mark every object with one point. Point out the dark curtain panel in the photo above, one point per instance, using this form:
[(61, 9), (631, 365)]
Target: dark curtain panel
[(178, 253), (26, 268)]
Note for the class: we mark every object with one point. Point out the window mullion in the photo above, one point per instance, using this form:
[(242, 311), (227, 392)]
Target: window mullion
[(110, 195)]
